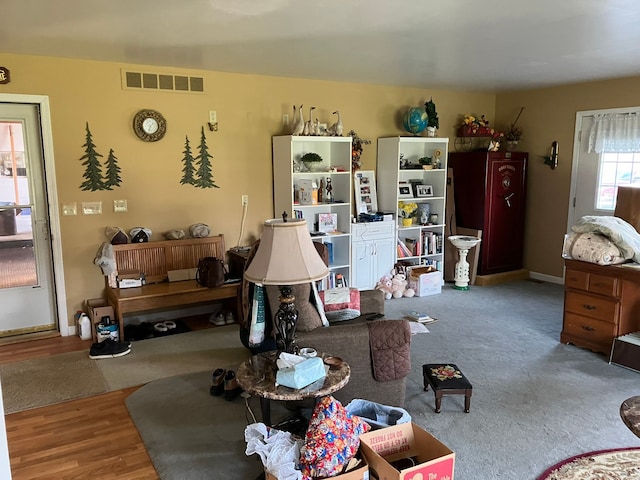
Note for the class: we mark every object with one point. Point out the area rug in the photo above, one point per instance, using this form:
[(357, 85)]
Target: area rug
[(68, 376), (50, 380), (191, 435), (615, 464)]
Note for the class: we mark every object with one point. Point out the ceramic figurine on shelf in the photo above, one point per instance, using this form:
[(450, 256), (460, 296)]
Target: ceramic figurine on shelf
[(336, 128), (298, 123), (309, 126), (329, 189), (316, 127)]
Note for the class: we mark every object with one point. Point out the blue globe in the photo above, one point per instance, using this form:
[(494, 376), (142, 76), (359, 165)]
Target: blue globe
[(415, 120)]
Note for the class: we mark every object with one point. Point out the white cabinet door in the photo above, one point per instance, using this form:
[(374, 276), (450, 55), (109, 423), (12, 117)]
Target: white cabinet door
[(362, 265), (385, 258), (372, 253)]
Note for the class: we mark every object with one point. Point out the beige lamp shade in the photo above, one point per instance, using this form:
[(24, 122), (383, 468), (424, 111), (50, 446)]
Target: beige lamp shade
[(286, 255)]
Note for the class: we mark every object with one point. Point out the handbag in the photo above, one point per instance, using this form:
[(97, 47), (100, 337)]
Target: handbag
[(210, 272)]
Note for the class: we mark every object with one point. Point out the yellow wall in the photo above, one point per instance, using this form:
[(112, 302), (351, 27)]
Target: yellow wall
[(550, 115), (249, 108)]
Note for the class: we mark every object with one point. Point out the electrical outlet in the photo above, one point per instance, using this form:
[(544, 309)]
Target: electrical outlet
[(245, 200), (285, 119), (213, 116)]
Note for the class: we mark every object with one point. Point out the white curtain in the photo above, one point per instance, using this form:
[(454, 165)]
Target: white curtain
[(615, 133)]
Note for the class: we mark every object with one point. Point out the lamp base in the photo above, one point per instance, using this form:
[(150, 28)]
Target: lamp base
[(286, 320)]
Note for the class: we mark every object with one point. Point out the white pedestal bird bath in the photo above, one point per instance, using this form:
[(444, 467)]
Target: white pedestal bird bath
[(463, 243)]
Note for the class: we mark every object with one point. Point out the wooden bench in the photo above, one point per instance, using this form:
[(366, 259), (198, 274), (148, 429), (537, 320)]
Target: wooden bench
[(155, 260)]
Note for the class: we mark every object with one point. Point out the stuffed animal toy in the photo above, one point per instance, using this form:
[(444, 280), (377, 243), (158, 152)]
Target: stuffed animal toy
[(399, 286), (384, 284), (395, 287)]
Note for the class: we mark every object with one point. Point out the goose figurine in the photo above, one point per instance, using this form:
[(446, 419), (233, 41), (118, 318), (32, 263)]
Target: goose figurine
[(336, 128), (316, 127), (309, 127), (298, 123)]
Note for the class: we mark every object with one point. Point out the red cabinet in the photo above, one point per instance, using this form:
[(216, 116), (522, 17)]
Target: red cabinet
[(490, 195)]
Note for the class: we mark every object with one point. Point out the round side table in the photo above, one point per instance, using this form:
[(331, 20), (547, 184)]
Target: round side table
[(630, 414), (258, 377)]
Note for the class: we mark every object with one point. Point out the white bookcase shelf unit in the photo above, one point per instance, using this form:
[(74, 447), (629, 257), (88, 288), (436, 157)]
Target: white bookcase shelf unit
[(398, 164), (289, 172)]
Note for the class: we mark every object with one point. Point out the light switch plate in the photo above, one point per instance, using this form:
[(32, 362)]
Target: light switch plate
[(119, 206), (70, 208), (91, 208)]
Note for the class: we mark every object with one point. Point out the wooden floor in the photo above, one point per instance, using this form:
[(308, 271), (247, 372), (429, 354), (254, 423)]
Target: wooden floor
[(91, 438)]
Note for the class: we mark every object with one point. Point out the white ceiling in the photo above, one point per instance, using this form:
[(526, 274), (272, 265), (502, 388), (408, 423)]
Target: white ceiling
[(455, 44)]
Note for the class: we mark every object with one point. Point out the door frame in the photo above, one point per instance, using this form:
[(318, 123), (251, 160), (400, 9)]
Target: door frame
[(42, 101), (577, 138)]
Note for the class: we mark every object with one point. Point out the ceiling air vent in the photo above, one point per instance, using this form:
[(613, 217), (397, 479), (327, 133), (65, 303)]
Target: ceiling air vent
[(162, 82)]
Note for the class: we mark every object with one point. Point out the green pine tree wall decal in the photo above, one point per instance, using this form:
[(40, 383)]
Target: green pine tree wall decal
[(113, 172), (93, 168), (188, 169), (205, 177)]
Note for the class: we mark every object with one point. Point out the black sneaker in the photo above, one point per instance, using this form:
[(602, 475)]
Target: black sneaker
[(109, 349)]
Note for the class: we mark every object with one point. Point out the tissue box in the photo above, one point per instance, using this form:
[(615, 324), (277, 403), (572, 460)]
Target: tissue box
[(302, 374)]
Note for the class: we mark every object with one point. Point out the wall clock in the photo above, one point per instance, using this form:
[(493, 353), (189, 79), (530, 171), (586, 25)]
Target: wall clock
[(149, 125)]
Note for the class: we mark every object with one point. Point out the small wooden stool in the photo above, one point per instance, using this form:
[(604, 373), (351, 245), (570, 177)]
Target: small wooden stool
[(446, 379)]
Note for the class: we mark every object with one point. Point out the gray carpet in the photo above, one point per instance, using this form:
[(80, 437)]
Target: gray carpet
[(50, 380), (535, 401)]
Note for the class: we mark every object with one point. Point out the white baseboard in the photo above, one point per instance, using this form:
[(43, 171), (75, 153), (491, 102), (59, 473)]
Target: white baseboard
[(546, 278)]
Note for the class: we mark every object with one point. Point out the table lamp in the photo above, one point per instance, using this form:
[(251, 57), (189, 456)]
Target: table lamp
[(285, 257)]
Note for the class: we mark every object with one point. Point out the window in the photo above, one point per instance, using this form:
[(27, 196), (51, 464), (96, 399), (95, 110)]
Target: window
[(615, 169)]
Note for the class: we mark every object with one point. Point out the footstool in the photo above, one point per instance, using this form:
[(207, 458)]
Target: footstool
[(446, 379)]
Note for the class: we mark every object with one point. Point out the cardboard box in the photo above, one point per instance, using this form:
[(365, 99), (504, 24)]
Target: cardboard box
[(181, 275), (425, 281), (433, 459), (628, 205), (96, 308), (130, 279), (361, 473)]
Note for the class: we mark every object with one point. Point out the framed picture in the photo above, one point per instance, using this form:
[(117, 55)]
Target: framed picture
[(365, 191), (424, 191), (404, 190), (327, 222)]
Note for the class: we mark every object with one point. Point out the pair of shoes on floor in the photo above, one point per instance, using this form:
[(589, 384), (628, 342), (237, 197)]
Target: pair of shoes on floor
[(224, 382), (109, 349), (217, 319), (220, 319), (164, 326)]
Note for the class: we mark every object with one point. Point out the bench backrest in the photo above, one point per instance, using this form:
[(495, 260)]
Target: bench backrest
[(155, 259)]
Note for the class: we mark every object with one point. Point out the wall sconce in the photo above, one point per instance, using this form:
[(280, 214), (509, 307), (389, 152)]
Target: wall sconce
[(552, 160)]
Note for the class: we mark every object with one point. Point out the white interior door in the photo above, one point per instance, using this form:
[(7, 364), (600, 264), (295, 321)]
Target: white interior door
[(27, 292), (586, 176), (584, 171)]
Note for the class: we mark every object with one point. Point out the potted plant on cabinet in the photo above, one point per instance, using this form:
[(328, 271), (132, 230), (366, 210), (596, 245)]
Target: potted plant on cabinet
[(407, 212), (513, 134), (433, 122), (312, 161)]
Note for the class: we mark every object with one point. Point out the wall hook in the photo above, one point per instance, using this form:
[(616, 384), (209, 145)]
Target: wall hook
[(552, 160)]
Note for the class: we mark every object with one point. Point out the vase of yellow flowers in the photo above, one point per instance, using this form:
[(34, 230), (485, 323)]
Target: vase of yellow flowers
[(407, 212)]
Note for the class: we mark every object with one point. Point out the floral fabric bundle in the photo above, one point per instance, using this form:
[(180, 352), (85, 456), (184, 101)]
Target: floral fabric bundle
[(332, 439)]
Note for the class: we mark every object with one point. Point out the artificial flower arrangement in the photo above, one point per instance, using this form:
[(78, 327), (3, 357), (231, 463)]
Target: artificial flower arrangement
[(515, 132), (473, 126), (407, 209)]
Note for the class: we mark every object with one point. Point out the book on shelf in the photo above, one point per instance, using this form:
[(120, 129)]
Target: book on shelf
[(403, 251)]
